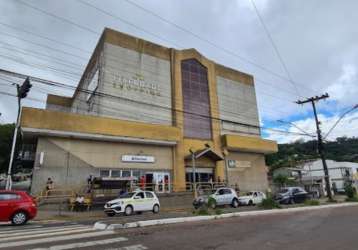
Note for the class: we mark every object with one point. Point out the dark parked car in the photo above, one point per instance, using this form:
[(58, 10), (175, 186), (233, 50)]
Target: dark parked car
[(291, 195), (17, 207)]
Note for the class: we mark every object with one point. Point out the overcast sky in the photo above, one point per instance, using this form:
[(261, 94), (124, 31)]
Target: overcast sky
[(316, 39)]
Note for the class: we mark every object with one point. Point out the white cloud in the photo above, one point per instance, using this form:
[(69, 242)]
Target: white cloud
[(344, 90), (348, 126)]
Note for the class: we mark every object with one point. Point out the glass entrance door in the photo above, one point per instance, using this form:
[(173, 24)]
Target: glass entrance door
[(162, 182)]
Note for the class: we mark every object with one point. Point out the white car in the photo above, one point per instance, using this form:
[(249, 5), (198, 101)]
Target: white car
[(222, 196), (128, 203), (252, 198)]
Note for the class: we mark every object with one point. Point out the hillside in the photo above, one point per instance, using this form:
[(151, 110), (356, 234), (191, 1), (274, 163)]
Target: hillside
[(343, 149)]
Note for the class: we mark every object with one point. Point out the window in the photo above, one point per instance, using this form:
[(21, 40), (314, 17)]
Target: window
[(92, 86), (6, 197), (149, 195), (136, 173), (126, 173), (227, 191), (140, 195), (195, 87), (116, 173), (104, 173), (221, 192)]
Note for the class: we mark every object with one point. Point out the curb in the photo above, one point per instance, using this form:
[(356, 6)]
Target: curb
[(103, 226)]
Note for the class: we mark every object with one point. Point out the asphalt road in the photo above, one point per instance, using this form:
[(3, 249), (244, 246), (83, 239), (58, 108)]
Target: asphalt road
[(320, 229)]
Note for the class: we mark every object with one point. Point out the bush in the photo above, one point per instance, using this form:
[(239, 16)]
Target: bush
[(353, 199), (269, 203), (350, 190), (312, 202)]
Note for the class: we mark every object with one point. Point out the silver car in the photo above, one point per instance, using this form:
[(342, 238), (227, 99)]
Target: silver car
[(222, 196)]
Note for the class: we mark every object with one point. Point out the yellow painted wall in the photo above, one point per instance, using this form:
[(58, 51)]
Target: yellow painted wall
[(53, 120), (249, 144)]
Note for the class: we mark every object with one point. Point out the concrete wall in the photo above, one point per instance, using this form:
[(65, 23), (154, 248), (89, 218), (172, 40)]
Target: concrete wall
[(65, 169), (237, 103), (251, 171), (108, 154), (139, 77), (81, 104), (69, 161)]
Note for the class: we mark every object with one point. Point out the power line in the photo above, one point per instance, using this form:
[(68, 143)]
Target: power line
[(340, 118), (52, 83), (227, 51), (275, 47)]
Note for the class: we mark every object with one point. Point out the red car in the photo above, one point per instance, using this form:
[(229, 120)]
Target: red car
[(17, 207)]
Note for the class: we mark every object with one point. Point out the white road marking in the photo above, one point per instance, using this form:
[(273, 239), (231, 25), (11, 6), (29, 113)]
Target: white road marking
[(54, 239), (133, 247), (84, 244), (42, 230), (11, 228), (45, 234)]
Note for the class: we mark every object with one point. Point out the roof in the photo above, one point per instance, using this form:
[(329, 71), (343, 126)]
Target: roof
[(208, 152)]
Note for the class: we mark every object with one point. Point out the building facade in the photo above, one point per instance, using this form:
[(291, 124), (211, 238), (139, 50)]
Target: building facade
[(142, 110)]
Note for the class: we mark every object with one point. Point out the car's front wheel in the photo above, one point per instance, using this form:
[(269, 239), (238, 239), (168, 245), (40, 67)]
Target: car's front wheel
[(19, 218), (235, 203), (156, 209), (128, 210), (250, 203)]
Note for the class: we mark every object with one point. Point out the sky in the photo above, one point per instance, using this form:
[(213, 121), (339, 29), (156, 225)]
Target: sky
[(316, 40)]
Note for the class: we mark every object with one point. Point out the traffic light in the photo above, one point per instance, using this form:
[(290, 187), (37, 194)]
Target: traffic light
[(24, 88)]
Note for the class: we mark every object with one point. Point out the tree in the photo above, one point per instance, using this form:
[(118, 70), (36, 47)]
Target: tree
[(6, 134)]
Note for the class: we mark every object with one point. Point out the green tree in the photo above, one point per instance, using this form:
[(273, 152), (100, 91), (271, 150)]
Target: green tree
[(6, 134)]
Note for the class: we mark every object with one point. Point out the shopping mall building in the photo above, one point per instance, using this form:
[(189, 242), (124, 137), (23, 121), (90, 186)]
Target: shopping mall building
[(142, 110)]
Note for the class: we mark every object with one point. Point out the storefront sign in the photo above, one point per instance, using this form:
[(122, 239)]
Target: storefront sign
[(238, 164), (138, 158), (136, 83)]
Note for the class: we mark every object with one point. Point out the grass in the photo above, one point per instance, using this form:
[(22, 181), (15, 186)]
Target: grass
[(312, 203), (352, 199), (269, 203)]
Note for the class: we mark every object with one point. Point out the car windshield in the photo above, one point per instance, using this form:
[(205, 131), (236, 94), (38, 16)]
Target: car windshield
[(126, 195), (249, 193)]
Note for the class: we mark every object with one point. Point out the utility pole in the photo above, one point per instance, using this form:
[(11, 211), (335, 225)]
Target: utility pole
[(320, 145), (21, 93)]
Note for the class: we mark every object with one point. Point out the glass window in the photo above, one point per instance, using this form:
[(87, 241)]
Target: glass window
[(6, 197), (140, 195), (126, 173), (136, 174), (104, 173), (197, 122), (149, 195), (227, 191), (116, 173)]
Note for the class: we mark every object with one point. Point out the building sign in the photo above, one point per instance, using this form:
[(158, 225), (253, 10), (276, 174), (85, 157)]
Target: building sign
[(238, 164), (231, 163), (136, 83), (138, 158)]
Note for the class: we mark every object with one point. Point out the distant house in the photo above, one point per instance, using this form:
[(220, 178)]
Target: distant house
[(339, 173)]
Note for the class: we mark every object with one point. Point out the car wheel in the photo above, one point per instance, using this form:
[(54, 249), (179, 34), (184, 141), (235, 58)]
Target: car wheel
[(156, 209), (235, 203), (19, 218), (111, 214), (250, 203), (128, 210)]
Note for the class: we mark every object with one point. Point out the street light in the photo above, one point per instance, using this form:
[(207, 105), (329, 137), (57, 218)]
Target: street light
[(22, 92)]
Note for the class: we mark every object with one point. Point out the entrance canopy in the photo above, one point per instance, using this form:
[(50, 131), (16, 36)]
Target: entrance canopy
[(207, 152)]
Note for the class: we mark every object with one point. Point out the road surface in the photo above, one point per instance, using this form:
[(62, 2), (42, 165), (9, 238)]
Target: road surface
[(320, 229)]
